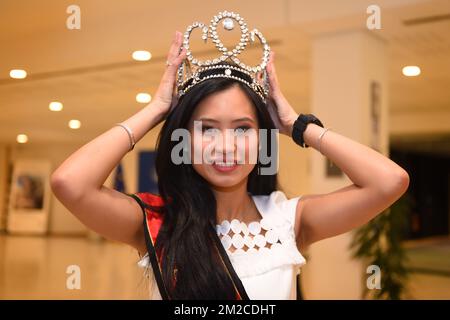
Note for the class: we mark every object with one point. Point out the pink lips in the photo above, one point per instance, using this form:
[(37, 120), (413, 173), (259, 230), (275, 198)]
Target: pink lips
[(222, 168)]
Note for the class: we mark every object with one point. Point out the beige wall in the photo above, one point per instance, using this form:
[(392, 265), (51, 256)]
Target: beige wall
[(293, 173), (3, 184), (61, 221)]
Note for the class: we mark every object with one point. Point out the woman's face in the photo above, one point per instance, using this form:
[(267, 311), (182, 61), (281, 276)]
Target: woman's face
[(224, 130)]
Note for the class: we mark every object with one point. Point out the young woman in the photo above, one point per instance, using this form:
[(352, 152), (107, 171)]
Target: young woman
[(222, 230)]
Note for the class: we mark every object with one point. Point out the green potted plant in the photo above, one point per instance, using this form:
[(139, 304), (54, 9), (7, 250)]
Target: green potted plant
[(379, 243)]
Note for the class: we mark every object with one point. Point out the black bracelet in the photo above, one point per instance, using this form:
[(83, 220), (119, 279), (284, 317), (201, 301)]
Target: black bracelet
[(300, 125)]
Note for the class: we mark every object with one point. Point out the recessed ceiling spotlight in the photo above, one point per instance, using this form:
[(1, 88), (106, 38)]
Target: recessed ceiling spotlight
[(411, 71), (22, 138), (74, 124), (142, 55), (18, 74), (143, 97), (55, 106)]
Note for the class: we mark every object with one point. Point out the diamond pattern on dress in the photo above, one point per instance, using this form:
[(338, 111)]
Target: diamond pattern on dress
[(238, 237)]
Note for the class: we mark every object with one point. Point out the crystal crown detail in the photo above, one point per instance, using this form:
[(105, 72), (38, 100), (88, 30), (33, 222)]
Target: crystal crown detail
[(193, 70)]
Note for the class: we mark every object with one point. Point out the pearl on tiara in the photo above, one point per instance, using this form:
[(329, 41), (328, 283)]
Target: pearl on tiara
[(228, 24), (190, 72)]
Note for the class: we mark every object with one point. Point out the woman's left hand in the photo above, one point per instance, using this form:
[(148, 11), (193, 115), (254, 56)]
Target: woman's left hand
[(286, 114)]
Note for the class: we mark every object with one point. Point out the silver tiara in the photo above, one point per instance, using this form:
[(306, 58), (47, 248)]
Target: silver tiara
[(193, 71)]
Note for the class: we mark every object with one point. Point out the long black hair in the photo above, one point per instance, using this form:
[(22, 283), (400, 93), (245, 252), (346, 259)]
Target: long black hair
[(190, 205)]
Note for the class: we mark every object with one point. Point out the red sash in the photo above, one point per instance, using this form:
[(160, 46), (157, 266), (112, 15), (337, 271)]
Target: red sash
[(152, 223)]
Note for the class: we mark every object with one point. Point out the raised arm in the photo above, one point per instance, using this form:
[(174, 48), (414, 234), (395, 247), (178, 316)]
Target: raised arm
[(78, 181), (377, 181)]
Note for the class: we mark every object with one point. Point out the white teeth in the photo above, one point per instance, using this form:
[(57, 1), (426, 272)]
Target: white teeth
[(224, 164)]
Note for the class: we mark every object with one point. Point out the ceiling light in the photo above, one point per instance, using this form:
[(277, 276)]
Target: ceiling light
[(411, 71), (143, 98), (55, 106), (18, 74), (22, 138), (142, 55), (74, 124)]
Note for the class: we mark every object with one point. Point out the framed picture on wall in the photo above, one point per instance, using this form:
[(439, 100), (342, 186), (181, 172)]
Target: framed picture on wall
[(29, 198)]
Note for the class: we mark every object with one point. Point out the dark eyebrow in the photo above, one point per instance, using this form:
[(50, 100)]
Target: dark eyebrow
[(235, 120)]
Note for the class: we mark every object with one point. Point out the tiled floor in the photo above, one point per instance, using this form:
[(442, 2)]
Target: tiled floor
[(35, 268), (430, 260), (425, 286)]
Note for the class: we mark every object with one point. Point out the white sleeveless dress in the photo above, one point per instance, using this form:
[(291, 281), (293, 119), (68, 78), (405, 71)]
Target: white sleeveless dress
[(265, 254)]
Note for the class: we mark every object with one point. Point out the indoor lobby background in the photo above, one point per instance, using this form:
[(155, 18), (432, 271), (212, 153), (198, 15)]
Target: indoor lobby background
[(341, 60)]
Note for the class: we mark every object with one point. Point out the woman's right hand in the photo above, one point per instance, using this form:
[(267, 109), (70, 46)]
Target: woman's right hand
[(164, 94)]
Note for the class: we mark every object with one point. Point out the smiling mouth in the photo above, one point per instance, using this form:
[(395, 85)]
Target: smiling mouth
[(225, 167), (225, 164)]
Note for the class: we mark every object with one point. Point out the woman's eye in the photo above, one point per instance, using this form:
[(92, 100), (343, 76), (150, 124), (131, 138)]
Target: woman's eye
[(241, 129), (208, 129)]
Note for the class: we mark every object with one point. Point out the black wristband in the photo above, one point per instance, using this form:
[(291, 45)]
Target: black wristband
[(299, 128)]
